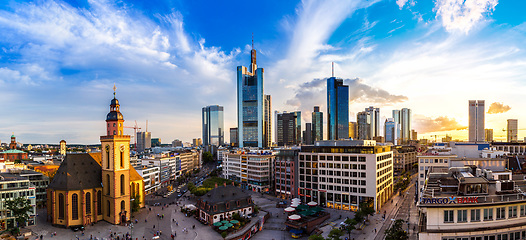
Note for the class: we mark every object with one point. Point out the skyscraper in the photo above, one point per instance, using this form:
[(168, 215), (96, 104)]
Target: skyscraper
[(488, 133), (513, 127), (363, 120), (374, 114), (213, 125), (233, 137), (353, 130), (317, 124), (288, 128), (405, 123), (307, 134), (392, 131), (476, 120), (251, 102), (338, 109), (144, 141), (267, 123)]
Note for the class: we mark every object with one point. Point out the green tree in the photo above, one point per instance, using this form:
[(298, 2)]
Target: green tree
[(224, 234), (396, 232), (350, 224), (316, 237), (19, 207), (207, 157), (136, 203), (335, 234)]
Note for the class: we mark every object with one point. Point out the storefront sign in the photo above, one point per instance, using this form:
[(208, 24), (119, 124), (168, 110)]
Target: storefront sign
[(449, 200)]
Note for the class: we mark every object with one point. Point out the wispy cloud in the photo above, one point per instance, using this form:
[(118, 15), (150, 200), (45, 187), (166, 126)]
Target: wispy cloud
[(460, 15), (497, 107), (443, 123)]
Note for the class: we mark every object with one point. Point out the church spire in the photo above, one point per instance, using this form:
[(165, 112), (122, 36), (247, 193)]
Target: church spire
[(114, 119)]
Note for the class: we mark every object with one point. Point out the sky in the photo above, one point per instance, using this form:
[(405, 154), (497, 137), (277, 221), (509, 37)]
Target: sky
[(59, 61)]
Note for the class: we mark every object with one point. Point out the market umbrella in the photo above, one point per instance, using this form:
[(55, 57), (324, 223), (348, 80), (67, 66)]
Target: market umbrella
[(296, 199), (224, 221), (223, 228), (289, 209), (302, 207), (294, 217), (234, 221), (316, 209), (228, 225), (217, 224), (312, 204)]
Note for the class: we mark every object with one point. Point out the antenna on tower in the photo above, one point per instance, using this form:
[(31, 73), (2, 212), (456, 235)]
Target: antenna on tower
[(332, 69), (114, 88), (146, 125), (252, 40)]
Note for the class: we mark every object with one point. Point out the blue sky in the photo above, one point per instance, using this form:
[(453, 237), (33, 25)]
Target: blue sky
[(60, 59)]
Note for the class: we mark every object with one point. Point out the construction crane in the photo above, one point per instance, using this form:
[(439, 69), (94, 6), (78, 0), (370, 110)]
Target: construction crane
[(136, 128)]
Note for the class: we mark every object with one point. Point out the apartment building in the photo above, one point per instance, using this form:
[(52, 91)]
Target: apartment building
[(254, 170), (343, 174), (286, 173), (404, 158), (152, 178), (13, 186)]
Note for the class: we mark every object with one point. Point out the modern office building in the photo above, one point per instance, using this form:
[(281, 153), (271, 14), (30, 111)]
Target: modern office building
[(307, 134), (165, 170), (254, 171), (152, 178), (488, 135), (13, 186), (472, 201), (374, 114), (428, 160), (344, 174), (156, 142), (288, 128), (267, 122), (512, 130), (213, 126), (364, 126), (405, 120), (37, 180), (253, 106), (337, 109), (233, 137), (476, 121), (317, 124), (286, 172), (392, 131), (144, 141)]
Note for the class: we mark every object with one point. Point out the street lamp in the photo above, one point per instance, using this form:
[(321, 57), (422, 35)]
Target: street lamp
[(131, 229)]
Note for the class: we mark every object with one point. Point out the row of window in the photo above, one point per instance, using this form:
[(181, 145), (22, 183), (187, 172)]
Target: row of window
[(342, 188), (427, 160), (332, 158), (500, 236), (343, 173), (383, 157), (487, 214)]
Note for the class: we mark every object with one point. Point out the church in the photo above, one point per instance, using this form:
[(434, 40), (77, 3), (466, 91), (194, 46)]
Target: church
[(92, 187)]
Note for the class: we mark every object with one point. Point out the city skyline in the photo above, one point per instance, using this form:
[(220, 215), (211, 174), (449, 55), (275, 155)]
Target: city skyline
[(60, 59)]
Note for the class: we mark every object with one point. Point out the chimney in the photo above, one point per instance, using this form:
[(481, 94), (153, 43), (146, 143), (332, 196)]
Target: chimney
[(216, 185)]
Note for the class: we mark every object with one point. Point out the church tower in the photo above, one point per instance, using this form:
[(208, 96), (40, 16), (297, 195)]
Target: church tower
[(115, 168)]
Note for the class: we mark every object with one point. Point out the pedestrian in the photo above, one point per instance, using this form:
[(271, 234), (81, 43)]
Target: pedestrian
[(375, 230), (153, 226)]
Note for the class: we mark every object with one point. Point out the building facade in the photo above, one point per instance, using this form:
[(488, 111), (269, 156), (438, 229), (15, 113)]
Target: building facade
[(13, 186), (404, 158), (364, 126), (406, 122), (213, 125), (317, 124), (307, 134), (392, 131), (222, 202), (233, 137), (374, 114), (254, 171), (337, 109), (512, 130), (476, 120), (144, 141), (488, 135), (288, 128), (286, 173), (344, 174)]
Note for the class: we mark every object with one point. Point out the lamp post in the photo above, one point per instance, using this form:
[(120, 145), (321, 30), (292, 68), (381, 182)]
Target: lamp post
[(131, 229)]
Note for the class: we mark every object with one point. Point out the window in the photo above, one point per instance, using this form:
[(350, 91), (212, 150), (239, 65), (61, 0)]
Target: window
[(75, 206), (123, 205), (488, 214), (108, 184), (99, 203), (448, 216), (88, 203), (475, 215), (512, 212), (108, 208), (523, 211), (61, 206), (501, 213), (462, 215), (123, 185), (122, 159)]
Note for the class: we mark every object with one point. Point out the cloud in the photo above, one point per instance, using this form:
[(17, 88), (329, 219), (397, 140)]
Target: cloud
[(361, 92), (443, 123), (401, 3), (461, 15), (497, 107)]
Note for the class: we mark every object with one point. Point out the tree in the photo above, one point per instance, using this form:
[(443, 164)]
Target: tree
[(335, 234), (224, 234), (136, 203), (19, 207), (207, 157), (350, 224), (396, 232), (316, 237)]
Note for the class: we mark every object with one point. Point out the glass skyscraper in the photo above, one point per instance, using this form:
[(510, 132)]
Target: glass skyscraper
[(405, 119), (253, 107), (317, 124), (338, 109), (213, 125), (392, 131), (476, 121), (374, 114), (288, 128)]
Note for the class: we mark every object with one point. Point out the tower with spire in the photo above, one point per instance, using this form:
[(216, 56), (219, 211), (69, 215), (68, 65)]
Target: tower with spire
[(115, 167)]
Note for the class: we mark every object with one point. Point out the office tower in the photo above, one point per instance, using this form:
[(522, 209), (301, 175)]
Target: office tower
[(267, 122), (476, 120), (392, 131), (144, 141), (307, 134), (374, 114), (317, 124), (513, 127), (251, 102), (196, 142), (156, 142), (233, 137), (213, 125), (289, 128), (337, 109), (488, 133), (364, 126), (353, 130), (405, 123), (414, 135)]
